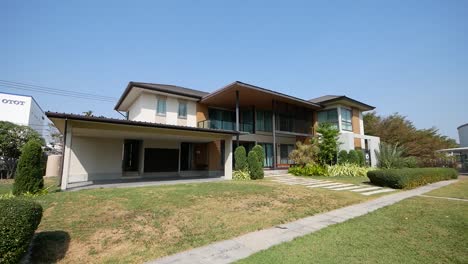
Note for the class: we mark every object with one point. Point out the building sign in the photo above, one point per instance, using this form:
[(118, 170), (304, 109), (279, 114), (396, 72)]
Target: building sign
[(14, 102)]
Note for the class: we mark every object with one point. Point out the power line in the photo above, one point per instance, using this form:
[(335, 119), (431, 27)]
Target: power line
[(55, 90)]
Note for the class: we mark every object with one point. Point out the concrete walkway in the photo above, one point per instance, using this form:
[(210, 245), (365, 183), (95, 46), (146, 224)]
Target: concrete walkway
[(228, 251), (331, 185)]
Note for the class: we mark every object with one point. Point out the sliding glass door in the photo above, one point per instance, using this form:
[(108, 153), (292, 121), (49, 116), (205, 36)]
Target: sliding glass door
[(268, 150)]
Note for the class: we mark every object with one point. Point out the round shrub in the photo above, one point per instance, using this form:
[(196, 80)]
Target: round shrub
[(30, 169), (255, 167), (353, 157), (362, 158), (260, 153), (240, 156), (342, 157), (19, 219)]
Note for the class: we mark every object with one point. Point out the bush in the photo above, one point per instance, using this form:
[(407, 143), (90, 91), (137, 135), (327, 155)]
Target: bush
[(260, 154), (410, 162), (353, 157), (19, 219), (349, 170), (255, 167), (410, 178), (304, 153), (240, 156), (362, 158), (308, 170), (342, 157), (30, 169), (240, 175)]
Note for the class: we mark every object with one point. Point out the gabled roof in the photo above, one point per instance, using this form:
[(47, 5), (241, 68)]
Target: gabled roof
[(166, 88), (329, 99)]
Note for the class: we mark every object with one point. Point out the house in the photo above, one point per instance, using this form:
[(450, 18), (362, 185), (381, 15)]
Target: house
[(172, 131)]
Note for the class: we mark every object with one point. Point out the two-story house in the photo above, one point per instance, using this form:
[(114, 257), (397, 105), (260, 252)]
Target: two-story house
[(172, 131)]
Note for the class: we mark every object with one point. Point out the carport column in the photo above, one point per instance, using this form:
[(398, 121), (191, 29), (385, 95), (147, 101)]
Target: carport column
[(66, 155), (228, 158)]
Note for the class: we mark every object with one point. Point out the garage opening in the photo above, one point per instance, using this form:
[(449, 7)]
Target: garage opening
[(161, 160)]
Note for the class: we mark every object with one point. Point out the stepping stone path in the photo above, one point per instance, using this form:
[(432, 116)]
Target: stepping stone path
[(330, 185)]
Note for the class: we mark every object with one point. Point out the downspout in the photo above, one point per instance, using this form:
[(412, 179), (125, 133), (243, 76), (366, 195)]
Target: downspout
[(63, 152)]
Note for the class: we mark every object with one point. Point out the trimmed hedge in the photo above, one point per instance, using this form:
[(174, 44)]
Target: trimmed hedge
[(19, 219), (30, 169), (240, 156), (410, 178), (255, 167)]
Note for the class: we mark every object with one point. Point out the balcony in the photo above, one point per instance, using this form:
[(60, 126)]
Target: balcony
[(225, 125)]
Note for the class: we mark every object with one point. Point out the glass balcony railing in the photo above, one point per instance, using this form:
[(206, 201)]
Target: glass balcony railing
[(225, 125)]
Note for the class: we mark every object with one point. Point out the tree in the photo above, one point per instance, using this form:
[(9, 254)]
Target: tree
[(88, 113), (328, 143), (362, 158), (255, 167), (30, 169), (12, 139), (342, 157), (240, 156), (304, 153), (353, 157), (260, 153), (397, 129)]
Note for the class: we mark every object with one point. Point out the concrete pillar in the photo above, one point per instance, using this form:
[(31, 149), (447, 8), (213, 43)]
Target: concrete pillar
[(228, 158), (237, 118), (66, 156)]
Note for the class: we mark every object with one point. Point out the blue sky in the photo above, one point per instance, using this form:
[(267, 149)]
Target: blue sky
[(409, 57)]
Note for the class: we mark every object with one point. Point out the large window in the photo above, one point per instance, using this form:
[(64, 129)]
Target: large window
[(346, 123), (182, 109), (161, 106), (329, 116), (264, 121), (285, 149)]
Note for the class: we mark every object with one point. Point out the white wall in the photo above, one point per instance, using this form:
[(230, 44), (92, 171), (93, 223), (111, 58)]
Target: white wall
[(144, 109), (463, 135), (95, 159)]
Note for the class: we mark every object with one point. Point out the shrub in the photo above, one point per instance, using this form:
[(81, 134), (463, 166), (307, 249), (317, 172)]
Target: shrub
[(30, 169), (390, 156), (240, 156), (308, 170), (19, 219), (410, 178), (410, 162), (304, 153), (260, 154), (362, 158), (349, 170), (240, 175), (342, 157), (353, 157), (255, 167)]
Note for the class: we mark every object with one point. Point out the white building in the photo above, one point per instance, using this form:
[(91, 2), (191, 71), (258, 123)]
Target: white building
[(24, 110)]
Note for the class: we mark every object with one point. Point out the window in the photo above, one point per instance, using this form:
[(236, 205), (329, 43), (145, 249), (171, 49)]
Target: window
[(346, 123), (285, 149), (264, 121), (329, 116), (161, 106), (182, 109)]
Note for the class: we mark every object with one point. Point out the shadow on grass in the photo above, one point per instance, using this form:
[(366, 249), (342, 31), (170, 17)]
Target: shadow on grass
[(49, 246)]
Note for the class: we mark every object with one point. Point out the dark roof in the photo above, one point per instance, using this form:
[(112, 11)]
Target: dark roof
[(262, 90), (134, 123), (326, 99), (167, 88)]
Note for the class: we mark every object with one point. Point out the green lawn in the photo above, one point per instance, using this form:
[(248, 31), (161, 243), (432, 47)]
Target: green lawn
[(417, 230), (456, 190), (5, 186), (140, 224)]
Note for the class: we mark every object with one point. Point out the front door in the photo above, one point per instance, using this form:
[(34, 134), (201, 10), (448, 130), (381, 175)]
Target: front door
[(131, 155)]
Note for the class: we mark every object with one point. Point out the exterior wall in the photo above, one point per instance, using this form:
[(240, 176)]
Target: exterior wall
[(214, 154), (144, 109), (463, 135), (95, 159), (23, 110), (347, 141), (202, 112)]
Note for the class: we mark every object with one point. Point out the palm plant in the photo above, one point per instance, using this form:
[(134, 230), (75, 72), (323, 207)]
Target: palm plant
[(390, 156)]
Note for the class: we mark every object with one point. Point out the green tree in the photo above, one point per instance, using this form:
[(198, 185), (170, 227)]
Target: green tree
[(12, 139), (260, 153), (30, 169), (304, 153), (362, 158), (396, 129), (255, 167), (88, 113), (240, 156), (328, 143)]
